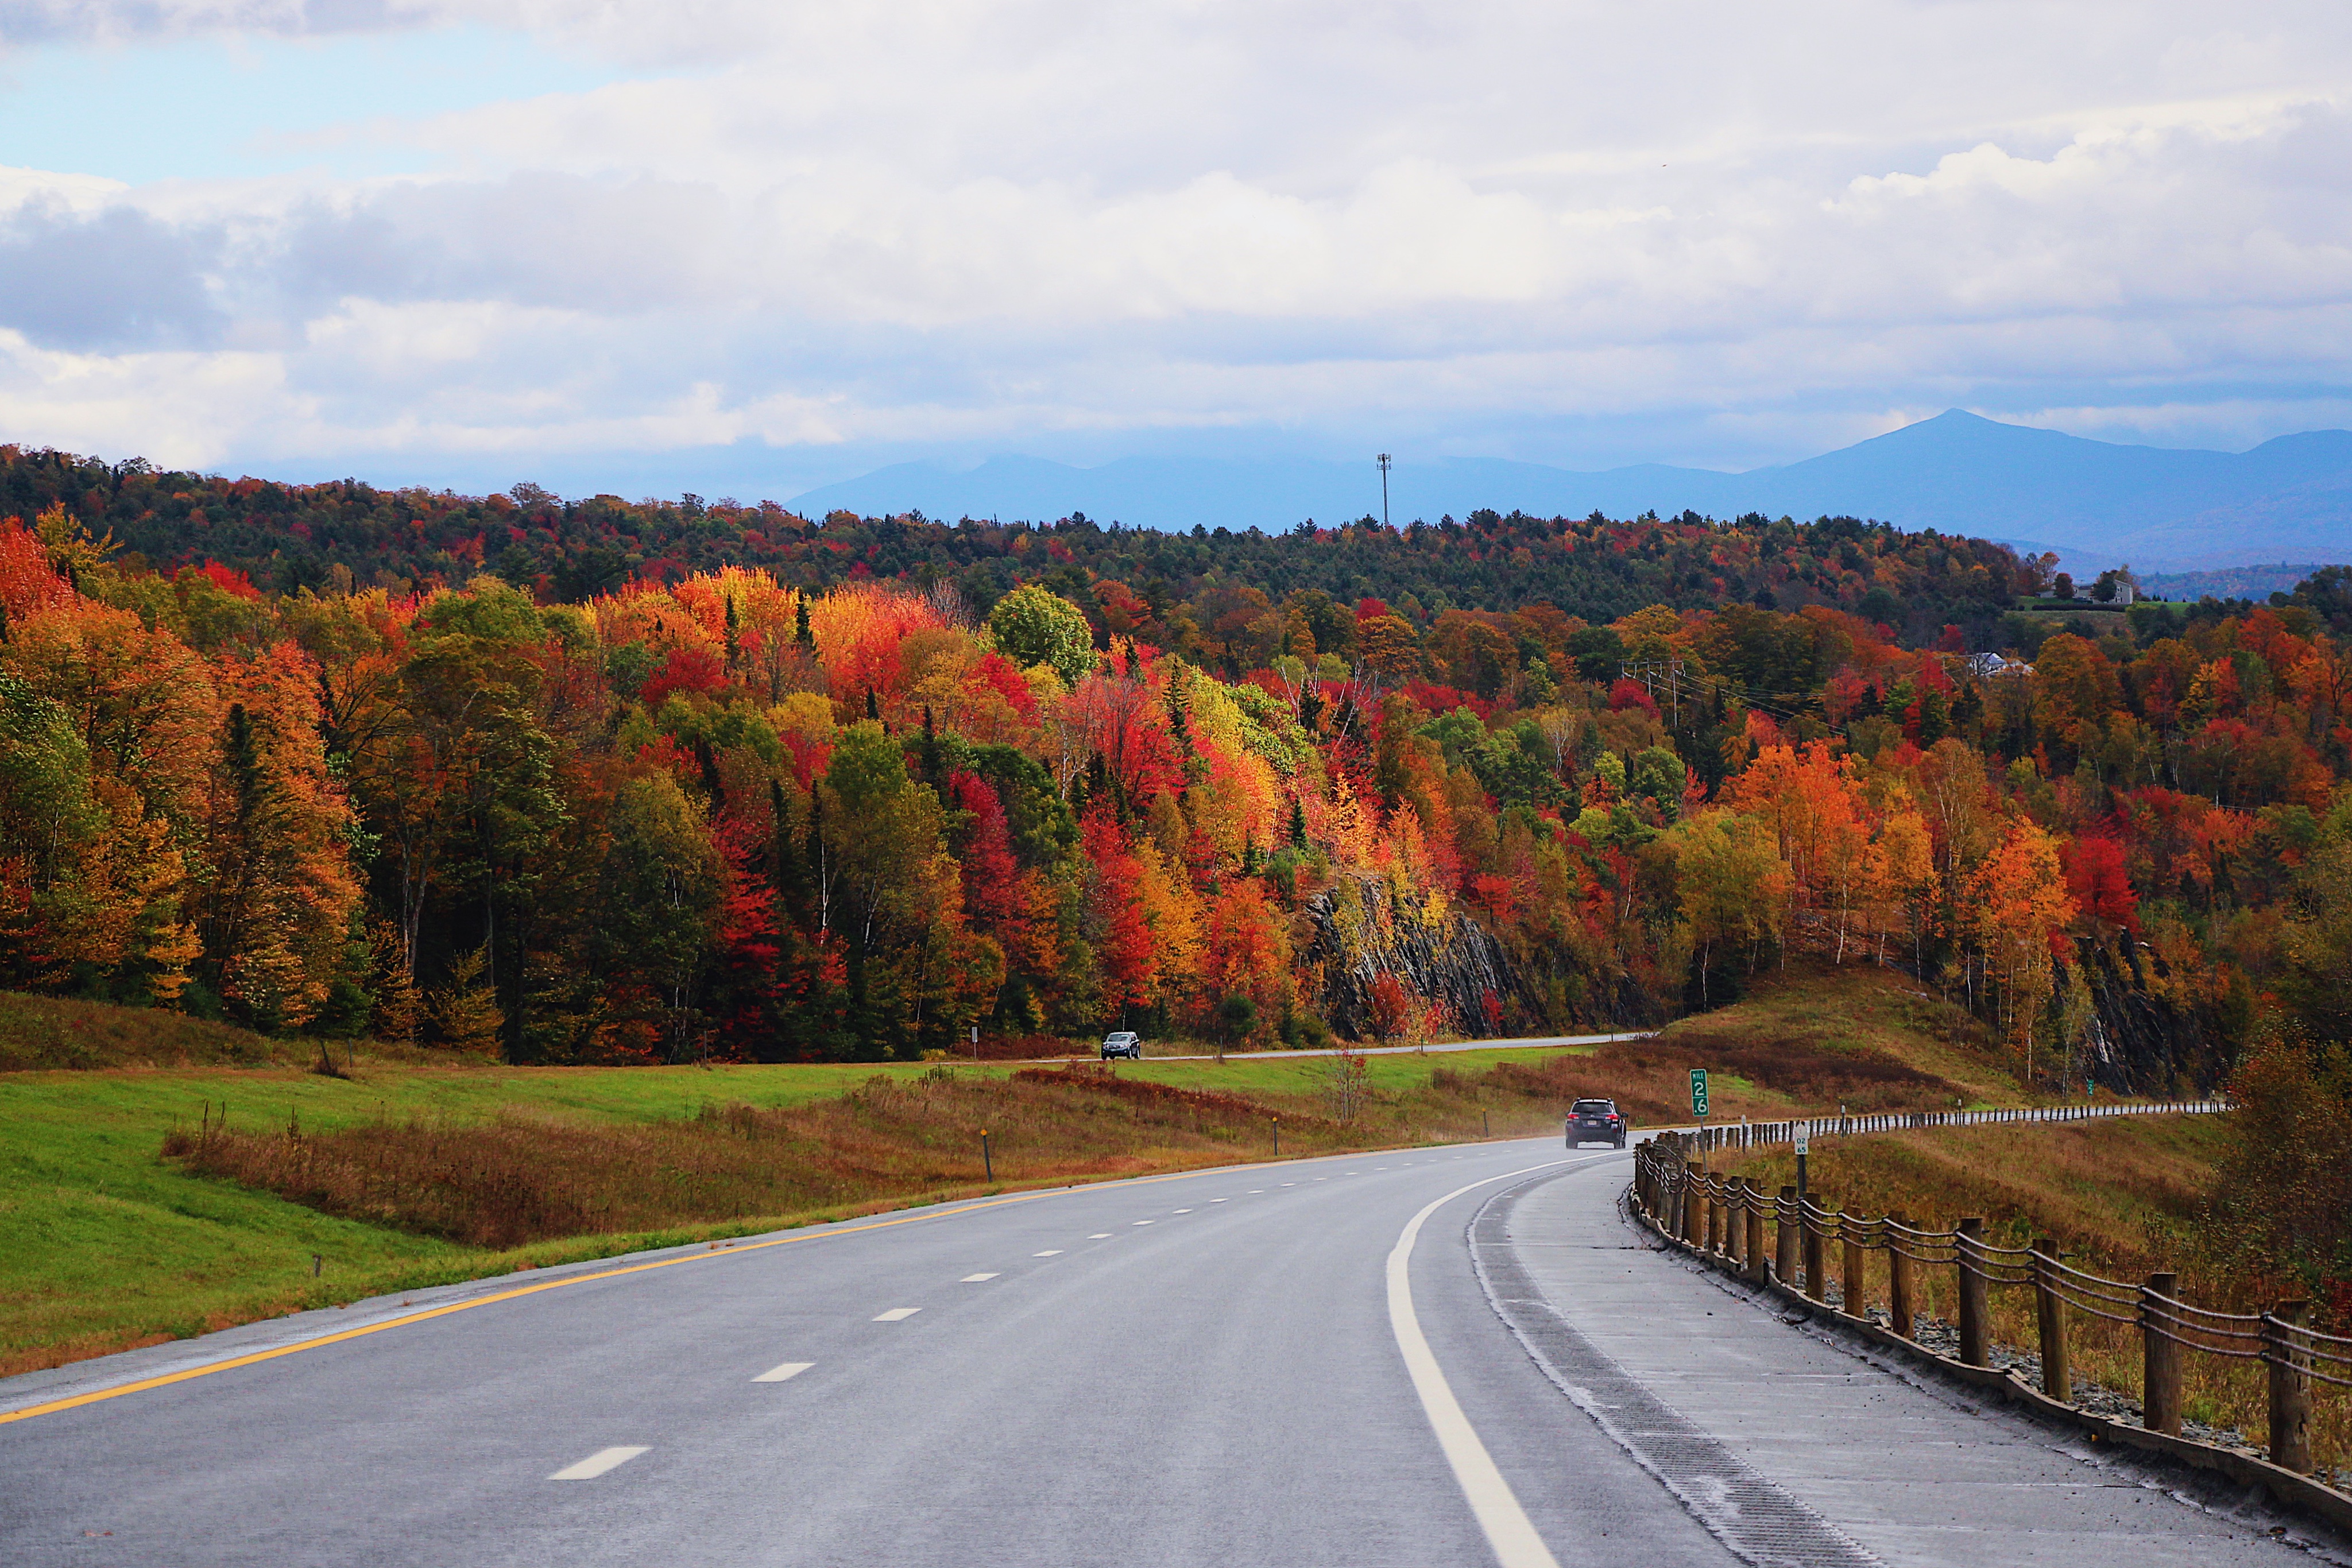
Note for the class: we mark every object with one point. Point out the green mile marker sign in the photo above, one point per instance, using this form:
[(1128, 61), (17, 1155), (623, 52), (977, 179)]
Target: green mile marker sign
[(1698, 1091)]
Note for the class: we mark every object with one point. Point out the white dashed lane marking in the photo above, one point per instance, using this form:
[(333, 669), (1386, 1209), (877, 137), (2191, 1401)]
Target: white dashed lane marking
[(788, 1369), (1099, 1236), (1050, 1251), (1143, 1222), (897, 1314), (974, 1279), (595, 1464)]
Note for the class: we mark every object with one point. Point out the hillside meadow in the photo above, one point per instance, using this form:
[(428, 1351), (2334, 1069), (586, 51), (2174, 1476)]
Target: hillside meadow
[(107, 1241)]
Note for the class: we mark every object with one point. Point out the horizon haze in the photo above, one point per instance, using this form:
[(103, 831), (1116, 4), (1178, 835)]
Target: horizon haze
[(766, 248), (2097, 504)]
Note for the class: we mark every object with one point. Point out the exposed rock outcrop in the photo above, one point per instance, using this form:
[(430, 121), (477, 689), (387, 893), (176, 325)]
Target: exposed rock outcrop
[(2138, 1039), (1364, 929)]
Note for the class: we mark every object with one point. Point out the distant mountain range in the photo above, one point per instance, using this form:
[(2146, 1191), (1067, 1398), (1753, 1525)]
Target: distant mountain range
[(2098, 503)]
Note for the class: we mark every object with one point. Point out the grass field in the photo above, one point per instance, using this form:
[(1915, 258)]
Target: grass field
[(105, 1243)]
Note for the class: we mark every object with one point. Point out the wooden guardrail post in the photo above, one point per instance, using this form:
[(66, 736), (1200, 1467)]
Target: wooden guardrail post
[(1898, 1279), (2050, 1316), (1817, 1273), (2159, 1400), (1974, 1350), (1753, 1252), (1787, 1221), (1692, 1197), (2290, 1388), (1711, 1240), (1852, 1294)]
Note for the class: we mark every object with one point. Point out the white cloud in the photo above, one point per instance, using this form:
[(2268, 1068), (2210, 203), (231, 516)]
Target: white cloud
[(79, 193), (1751, 234)]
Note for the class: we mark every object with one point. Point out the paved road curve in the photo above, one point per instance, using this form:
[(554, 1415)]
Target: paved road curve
[(1280, 1365), (1514, 1043), (1193, 1369)]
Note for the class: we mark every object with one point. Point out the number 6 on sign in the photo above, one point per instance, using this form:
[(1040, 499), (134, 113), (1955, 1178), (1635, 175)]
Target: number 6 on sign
[(1698, 1091)]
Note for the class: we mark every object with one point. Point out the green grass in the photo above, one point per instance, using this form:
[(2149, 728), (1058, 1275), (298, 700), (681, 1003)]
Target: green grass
[(1273, 1074), (104, 1245), (51, 1032)]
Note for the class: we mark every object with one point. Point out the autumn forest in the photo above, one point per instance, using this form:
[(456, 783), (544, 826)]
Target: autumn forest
[(593, 782)]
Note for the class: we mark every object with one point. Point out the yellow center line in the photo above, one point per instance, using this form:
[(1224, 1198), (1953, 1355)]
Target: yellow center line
[(732, 1249), (168, 1378)]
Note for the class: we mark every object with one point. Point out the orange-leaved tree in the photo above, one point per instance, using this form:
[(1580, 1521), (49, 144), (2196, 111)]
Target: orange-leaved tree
[(2017, 913)]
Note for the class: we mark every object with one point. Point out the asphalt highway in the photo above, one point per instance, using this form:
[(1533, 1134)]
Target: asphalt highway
[(1202, 1369), (1283, 1364)]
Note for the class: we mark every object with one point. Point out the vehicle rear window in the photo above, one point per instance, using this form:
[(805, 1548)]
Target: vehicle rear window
[(1599, 1107)]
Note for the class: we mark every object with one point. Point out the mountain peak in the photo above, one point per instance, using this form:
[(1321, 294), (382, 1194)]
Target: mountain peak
[(2100, 502)]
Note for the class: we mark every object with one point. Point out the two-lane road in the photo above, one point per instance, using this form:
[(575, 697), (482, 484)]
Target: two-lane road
[(1200, 1369)]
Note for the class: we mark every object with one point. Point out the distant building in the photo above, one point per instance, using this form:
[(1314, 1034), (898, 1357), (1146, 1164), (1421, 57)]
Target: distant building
[(1985, 667)]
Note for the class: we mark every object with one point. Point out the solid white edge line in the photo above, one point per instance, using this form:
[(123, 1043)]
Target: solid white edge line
[(595, 1464), (1509, 1531), (788, 1369)]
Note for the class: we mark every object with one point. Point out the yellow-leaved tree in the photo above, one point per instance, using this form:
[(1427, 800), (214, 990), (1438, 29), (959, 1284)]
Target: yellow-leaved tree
[(1899, 876), (1732, 883)]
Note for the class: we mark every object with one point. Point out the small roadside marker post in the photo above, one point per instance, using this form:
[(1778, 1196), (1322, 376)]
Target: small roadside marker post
[(1698, 1108), (1277, 1137), (1804, 1138), (975, 1044), (987, 1161)]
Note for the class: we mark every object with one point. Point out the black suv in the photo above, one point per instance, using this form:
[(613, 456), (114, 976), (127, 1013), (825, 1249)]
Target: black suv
[(1122, 1042), (1595, 1121)]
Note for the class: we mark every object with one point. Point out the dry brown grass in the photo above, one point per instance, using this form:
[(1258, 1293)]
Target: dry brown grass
[(1868, 1037), (2122, 1198), (525, 1177), (59, 1034), (1760, 1061)]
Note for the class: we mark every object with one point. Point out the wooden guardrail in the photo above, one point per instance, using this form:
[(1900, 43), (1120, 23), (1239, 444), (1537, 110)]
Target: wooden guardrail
[(1723, 1218)]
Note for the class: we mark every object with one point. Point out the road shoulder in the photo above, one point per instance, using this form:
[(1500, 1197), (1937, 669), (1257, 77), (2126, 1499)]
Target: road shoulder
[(1821, 1436)]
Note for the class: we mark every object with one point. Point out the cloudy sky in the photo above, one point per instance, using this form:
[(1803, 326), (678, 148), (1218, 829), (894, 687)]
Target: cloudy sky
[(747, 246)]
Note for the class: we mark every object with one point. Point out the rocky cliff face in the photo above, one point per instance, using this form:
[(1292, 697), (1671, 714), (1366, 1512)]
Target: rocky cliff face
[(1364, 929), (2138, 1040)]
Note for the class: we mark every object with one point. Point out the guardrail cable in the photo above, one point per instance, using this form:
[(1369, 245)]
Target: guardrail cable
[(1674, 1193)]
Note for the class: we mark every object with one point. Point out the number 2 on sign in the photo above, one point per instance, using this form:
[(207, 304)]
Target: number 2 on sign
[(1698, 1091)]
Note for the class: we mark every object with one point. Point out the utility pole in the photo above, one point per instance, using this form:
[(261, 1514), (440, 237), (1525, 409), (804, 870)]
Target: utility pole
[(1648, 672), (1383, 461)]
